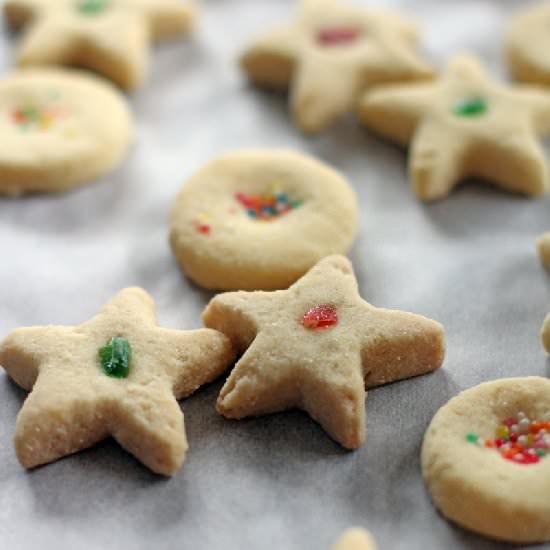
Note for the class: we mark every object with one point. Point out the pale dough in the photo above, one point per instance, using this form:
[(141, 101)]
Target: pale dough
[(316, 346), (545, 333), (464, 125), (355, 539), (111, 37), (475, 486), (73, 404), (528, 44), (543, 247), (59, 129), (236, 251), (329, 53)]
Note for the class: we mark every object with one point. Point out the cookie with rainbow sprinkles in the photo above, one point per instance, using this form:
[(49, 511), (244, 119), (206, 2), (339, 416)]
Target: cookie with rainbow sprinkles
[(259, 219), (59, 129), (486, 459)]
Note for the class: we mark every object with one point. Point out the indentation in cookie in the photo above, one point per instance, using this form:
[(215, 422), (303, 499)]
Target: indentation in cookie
[(471, 107), (320, 317), (338, 35), (30, 115), (91, 7), (518, 439), (267, 206)]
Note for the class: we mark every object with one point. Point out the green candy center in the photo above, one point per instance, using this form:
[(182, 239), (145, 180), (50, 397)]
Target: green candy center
[(91, 6), (115, 358), (471, 107)]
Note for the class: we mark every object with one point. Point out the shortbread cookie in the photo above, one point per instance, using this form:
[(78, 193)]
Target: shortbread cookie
[(329, 54), (59, 129), (117, 374), (111, 37), (260, 219), (464, 125), (355, 539), (528, 44), (545, 333), (486, 459), (543, 247), (316, 346)]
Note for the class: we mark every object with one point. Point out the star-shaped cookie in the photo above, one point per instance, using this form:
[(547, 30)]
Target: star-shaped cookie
[(111, 37), (464, 125), (528, 44), (118, 374), (316, 346), (355, 539), (329, 53)]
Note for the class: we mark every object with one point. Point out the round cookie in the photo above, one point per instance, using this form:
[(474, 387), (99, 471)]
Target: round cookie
[(355, 539), (472, 466), (527, 44), (59, 129), (259, 219)]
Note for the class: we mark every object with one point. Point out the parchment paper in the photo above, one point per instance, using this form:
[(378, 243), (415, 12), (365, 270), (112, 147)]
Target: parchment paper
[(277, 482)]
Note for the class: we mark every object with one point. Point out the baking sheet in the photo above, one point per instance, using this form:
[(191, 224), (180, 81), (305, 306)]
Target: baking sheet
[(276, 482)]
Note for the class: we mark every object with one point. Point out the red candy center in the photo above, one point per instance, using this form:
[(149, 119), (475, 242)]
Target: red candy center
[(323, 316), (335, 36)]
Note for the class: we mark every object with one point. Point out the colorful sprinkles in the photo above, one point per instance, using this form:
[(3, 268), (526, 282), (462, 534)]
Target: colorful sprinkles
[(320, 317), (337, 36), (267, 206), (471, 107), (30, 116), (201, 223), (91, 6), (519, 439)]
